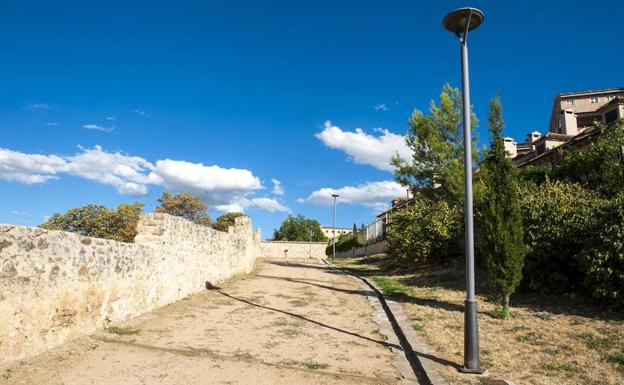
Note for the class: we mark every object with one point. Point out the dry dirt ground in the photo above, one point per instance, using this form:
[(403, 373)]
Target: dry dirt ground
[(289, 322), (550, 340)]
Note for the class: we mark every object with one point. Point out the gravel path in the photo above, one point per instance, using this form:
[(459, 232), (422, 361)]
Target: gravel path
[(289, 322)]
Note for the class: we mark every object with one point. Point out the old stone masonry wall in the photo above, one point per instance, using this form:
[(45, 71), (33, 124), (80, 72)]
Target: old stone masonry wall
[(297, 250), (56, 285)]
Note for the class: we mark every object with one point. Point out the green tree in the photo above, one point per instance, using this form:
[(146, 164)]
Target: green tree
[(226, 220), (598, 167), (99, 221), (500, 218), (436, 140), (355, 231), (297, 228), (184, 205)]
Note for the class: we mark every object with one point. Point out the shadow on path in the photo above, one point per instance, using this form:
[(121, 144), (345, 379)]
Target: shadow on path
[(411, 355), (307, 282), (386, 344)]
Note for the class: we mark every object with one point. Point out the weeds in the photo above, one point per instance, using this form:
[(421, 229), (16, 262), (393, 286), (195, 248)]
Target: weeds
[(122, 331), (390, 286)]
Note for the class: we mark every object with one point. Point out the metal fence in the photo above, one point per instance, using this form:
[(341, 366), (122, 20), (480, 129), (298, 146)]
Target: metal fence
[(376, 231)]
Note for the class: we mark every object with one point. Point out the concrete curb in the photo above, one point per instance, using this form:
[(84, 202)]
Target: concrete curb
[(417, 364)]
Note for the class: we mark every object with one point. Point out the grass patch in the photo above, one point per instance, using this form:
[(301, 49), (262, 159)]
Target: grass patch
[(390, 286), (559, 366), (617, 359), (122, 331), (312, 365), (418, 326)]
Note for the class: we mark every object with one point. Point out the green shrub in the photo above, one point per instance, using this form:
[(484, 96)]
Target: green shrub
[(427, 230), (99, 221), (603, 256), (345, 242), (558, 217), (225, 221)]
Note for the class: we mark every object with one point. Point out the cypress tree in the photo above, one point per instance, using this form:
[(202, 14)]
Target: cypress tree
[(500, 222)]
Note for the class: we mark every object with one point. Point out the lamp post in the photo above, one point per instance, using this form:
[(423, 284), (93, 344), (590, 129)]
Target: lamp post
[(310, 231), (334, 229), (460, 22)]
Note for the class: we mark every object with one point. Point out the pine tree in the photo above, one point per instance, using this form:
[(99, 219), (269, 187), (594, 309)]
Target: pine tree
[(500, 222)]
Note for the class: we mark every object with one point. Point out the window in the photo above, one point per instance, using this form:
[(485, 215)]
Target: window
[(570, 102), (610, 97), (594, 99), (611, 116)]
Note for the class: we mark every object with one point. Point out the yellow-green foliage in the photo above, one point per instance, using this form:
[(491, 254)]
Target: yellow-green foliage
[(99, 221), (427, 230), (184, 205)]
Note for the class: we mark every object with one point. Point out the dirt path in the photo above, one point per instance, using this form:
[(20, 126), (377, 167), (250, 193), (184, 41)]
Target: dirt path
[(294, 322)]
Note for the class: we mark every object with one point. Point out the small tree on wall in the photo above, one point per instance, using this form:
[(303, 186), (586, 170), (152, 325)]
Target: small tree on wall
[(184, 205), (226, 220), (500, 219)]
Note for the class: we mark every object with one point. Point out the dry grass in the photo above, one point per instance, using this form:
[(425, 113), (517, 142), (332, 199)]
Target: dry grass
[(548, 341)]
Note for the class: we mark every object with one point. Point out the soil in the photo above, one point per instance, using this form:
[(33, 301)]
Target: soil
[(289, 322)]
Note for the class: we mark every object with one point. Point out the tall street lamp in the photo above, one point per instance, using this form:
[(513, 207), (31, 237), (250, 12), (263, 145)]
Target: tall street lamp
[(460, 22), (310, 231), (334, 230)]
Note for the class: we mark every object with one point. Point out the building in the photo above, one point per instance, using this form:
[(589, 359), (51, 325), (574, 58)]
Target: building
[(328, 231), (572, 124)]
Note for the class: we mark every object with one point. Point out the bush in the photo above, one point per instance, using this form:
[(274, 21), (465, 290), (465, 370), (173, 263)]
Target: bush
[(557, 218), (99, 221), (427, 230), (603, 257), (184, 205), (345, 242), (226, 220)]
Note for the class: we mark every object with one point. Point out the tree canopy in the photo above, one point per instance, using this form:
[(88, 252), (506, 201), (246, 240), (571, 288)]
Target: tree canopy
[(297, 228), (99, 221), (185, 205), (226, 220), (500, 218), (436, 140)]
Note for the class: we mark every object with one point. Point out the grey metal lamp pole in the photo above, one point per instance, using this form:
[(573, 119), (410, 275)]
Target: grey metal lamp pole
[(334, 230), (460, 22), (310, 231)]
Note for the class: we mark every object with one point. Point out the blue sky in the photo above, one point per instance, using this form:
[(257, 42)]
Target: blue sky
[(110, 102)]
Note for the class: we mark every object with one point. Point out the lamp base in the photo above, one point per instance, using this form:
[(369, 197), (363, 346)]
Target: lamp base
[(472, 371)]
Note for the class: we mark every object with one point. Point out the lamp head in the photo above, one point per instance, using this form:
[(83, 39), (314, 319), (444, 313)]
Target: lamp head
[(335, 195), (457, 21)]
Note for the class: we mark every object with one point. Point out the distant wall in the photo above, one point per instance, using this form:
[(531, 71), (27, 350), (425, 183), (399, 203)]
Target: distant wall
[(56, 285), (275, 249), (375, 248)]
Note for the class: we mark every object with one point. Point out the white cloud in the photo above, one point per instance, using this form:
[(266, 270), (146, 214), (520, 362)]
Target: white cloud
[(364, 148), (380, 107), (278, 189), (140, 112), (370, 194), (98, 127), (128, 174), (53, 124), (29, 168), (269, 204), (111, 118), (225, 189), (37, 107)]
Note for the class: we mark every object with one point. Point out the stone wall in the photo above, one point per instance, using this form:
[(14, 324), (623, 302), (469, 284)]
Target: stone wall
[(375, 248), (56, 285), (275, 249)]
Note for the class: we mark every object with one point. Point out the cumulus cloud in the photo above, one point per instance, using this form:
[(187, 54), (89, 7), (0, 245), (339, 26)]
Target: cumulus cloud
[(369, 194), (380, 107), (97, 127), (126, 173), (365, 148), (269, 204), (278, 189), (29, 168), (225, 189)]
